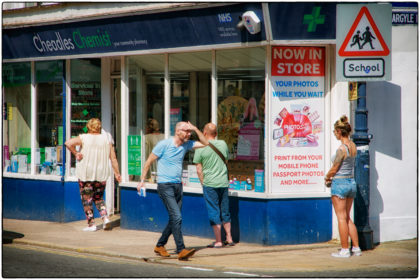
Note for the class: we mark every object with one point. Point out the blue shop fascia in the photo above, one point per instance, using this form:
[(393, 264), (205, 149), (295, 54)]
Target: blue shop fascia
[(260, 71)]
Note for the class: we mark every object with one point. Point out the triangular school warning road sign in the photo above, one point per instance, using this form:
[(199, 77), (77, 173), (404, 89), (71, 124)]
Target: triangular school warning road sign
[(364, 38)]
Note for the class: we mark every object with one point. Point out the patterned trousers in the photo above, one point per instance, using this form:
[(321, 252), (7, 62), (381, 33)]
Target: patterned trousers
[(92, 192)]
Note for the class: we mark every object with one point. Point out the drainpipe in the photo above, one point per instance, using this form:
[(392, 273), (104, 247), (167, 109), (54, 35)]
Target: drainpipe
[(361, 203)]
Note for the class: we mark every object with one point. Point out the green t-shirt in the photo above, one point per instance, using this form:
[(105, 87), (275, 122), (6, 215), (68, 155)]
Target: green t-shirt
[(214, 169)]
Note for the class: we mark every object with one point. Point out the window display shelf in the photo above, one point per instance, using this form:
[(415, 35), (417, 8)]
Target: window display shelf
[(246, 175), (86, 104), (235, 193), (32, 177)]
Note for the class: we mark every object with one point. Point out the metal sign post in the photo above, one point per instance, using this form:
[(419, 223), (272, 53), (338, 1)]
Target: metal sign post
[(362, 169)]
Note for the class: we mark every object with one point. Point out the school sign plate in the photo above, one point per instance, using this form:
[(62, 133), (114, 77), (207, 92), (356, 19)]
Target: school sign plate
[(364, 42)]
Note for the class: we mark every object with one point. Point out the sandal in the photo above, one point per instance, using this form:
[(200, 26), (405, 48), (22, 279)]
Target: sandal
[(212, 245), (229, 244)]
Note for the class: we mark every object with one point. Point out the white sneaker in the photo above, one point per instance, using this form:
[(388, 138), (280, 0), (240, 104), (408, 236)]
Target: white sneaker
[(106, 224), (344, 253), (356, 251), (90, 228)]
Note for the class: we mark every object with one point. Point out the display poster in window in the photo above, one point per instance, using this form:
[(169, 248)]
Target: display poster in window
[(134, 154), (249, 133), (176, 116), (86, 104), (9, 114), (248, 145), (297, 119), (49, 71), (16, 74), (193, 180)]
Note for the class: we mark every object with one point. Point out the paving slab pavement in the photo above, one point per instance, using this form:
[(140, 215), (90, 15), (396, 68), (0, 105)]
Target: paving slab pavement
[(138, 245)]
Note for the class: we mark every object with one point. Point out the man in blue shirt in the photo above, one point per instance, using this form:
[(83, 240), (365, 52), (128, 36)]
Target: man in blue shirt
[(170, 153)]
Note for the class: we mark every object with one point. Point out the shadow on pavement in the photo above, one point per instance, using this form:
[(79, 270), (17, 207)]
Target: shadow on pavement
[(9, 236)]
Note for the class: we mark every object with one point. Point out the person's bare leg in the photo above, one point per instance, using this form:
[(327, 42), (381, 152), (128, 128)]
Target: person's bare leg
[(340, 211), (217, 229), (227, 227), (351, 226)]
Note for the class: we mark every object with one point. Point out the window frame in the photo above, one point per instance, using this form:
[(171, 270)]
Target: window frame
[(124, 120)]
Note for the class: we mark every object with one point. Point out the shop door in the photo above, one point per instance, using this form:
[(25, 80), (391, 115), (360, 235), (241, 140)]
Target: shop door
[(116, 132)]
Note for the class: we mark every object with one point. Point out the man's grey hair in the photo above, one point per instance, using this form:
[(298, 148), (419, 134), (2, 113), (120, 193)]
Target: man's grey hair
[(180, 125)]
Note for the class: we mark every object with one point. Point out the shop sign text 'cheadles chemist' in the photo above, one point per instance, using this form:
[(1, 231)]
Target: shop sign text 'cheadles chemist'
[(79, 40)]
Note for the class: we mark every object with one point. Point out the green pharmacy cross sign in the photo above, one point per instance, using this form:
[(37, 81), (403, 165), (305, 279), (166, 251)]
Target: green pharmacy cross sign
[(314, 19)]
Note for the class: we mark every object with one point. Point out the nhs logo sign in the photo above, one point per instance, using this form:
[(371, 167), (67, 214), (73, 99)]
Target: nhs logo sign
[(226, 17)]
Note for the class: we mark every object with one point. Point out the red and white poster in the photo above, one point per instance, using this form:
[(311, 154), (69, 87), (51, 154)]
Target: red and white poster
[(297, 119)]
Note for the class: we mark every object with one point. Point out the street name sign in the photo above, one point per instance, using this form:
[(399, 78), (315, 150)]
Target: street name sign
[(364, 42)]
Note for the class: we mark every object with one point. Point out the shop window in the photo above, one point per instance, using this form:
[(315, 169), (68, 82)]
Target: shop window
[(49, 89), (17, 117), (241, 114), (190, 76), (85, 96), (146, 111)]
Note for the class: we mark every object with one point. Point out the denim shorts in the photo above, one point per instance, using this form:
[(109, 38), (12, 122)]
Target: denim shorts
[(217, 202), (343, 187)]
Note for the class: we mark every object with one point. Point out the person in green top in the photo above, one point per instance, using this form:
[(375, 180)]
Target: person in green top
[(213, 175)]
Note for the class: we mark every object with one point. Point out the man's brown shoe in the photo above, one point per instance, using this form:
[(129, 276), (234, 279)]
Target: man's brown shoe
[(185, 254), (161, 251)]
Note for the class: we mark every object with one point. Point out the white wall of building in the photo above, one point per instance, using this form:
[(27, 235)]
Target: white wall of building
[(340, 105), (393, 119)]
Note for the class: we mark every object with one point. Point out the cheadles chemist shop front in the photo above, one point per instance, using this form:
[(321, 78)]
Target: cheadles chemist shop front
[(267, 86)]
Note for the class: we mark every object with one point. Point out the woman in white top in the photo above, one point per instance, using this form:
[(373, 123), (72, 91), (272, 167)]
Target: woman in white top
[(93, 170)]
